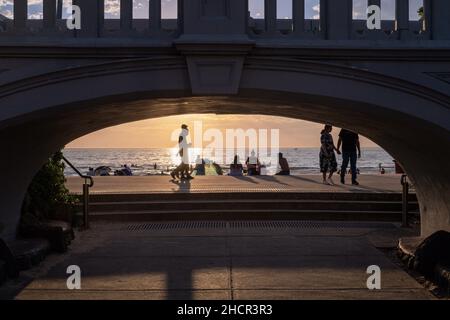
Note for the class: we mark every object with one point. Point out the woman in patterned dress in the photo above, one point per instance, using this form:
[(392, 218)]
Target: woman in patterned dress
[(328, 163)]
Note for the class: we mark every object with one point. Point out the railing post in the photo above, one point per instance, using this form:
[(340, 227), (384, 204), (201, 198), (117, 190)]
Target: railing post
[(20, 14), (126, 15), (402, 18), (86, 204), (155, 15), (375, 34), (440, 20), (49, 8), (427, 16), (86, 186), (405, 192), (59, 9), (338, 19), (180, 17), (92, 15), (270, 15), (323, 17), (298, 16)]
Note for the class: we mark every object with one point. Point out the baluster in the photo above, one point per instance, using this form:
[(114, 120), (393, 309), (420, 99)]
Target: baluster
[(155, 15), (180, 18), (323, 17), (59, 9), (375, 34), (92, 16), (20, 14), (440, 20), (338, 19), (126, 15), (427, 16), (270, 15), (402, 18), (49, 14), (298, 16)]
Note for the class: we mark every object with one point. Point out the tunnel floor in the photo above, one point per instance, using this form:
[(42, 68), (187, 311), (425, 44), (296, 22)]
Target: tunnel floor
[(309, 260)]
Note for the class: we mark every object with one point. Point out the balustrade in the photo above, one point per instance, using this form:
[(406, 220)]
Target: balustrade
[(335, 21)]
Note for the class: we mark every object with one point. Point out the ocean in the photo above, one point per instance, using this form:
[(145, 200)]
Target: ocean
[(144, 161)]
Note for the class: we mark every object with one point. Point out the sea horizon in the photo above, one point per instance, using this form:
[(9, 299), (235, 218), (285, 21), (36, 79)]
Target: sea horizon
[(157, 161)]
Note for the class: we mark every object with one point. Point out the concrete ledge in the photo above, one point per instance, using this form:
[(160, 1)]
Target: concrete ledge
[(29, 252), (58, 233)]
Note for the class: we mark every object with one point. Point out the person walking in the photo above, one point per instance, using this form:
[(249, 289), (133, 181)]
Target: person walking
[(183, 169), (350, 145), (327, 157)]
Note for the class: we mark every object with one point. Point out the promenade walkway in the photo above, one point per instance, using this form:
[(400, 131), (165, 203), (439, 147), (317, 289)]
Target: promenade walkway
[(303, 183), (161, 261), (226, 259)]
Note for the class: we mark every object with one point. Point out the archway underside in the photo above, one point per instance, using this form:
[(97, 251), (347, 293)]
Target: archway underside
[(47, 131)]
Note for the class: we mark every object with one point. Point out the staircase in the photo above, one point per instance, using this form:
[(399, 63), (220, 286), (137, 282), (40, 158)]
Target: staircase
[(249, 206)]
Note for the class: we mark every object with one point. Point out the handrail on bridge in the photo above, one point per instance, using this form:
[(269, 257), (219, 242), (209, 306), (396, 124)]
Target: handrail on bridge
[(88, 183)]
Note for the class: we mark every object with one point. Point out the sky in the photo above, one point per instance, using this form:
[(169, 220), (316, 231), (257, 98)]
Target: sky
[(157, 133), (256, 7)]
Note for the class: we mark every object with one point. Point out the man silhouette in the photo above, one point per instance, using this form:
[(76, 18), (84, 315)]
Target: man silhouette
[(284, 166), (350, 144)]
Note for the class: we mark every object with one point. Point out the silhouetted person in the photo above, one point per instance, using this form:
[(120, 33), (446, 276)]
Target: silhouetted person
[(183, 169), (91, 172), (252, 164), (350, 145), (327, 157), (236, 168), (284, 166), (199, 166), (127, 170)]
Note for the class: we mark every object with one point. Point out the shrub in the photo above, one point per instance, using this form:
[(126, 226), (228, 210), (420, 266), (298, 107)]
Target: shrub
[(47, 196)]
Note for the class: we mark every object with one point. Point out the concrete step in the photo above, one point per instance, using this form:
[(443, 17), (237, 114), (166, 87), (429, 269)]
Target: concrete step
[(240, 214), (276, 196), (248, 204)]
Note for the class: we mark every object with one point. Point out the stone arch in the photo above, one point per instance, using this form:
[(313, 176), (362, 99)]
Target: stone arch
[(42, 113)]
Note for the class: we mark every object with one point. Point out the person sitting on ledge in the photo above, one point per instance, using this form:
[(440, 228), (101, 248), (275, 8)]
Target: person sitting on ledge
[(199, 166), (284, 166), (91, 172), (236, 168), (252, 164)]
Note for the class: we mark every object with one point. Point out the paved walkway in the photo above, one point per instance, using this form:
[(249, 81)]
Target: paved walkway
[(304, 183), (160, 261)]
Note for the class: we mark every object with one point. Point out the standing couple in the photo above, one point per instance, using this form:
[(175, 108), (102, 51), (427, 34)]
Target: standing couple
[(350, 145)]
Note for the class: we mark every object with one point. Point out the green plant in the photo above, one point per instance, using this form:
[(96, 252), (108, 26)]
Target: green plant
[(47, 195), (420, 12)]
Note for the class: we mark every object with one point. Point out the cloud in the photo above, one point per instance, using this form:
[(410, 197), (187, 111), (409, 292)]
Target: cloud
[(112, 8), (6, 8), (316, 9)]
